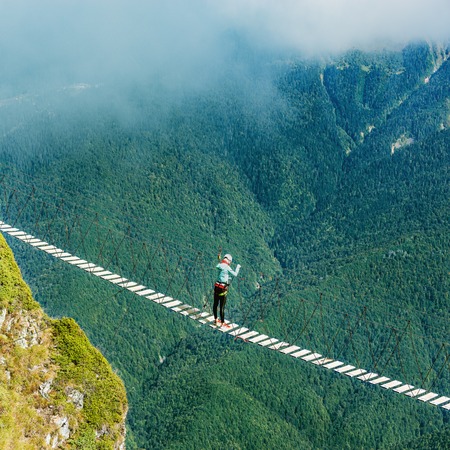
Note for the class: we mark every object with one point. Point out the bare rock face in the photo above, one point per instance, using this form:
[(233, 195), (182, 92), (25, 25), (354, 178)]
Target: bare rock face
[(76, 397), (23, 326), (44, 389), (2, 317)]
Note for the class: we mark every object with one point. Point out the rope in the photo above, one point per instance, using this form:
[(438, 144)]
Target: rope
[(383, 350), (116, 250), (370, 344), (286, 271), (396, 346), (21, 201), (433, 363), (350, 332), (416, 358), (169, 284), (23, 208), (186, 278), (439, 373), (100, 253), (306, 324)]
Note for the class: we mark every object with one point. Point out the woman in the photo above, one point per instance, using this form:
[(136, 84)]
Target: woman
[(221, 288)]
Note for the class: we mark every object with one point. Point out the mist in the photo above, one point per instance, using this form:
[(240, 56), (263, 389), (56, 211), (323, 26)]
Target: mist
[(181, 43), (317, 27)]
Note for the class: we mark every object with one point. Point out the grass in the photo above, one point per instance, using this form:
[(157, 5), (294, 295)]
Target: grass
[(36, 350)]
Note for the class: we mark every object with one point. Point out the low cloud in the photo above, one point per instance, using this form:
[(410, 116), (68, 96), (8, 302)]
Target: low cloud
[(327, 26), (175, 40)]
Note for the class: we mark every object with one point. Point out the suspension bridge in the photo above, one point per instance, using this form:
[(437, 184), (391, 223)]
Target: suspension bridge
[(233, 329), (53, 221)]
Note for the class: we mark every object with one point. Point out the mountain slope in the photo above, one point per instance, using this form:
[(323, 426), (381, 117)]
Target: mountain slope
[(333, 176), (56, 389)]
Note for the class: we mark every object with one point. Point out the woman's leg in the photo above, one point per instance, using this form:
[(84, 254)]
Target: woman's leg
[(216, 302), (223, 300)]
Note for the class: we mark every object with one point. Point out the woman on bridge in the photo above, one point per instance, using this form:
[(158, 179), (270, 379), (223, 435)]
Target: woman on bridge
[(221, 287)]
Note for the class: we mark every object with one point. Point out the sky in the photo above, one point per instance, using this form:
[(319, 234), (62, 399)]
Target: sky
[(92, 40)]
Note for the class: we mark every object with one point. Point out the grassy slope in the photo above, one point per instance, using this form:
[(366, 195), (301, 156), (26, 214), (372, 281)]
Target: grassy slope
[(62, 355)]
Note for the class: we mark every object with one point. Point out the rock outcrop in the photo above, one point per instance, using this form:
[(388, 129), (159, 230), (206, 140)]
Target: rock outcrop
[(56, 389)]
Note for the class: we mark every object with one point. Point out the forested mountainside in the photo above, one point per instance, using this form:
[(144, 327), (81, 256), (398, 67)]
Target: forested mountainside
[(57, 391), (328, 181)]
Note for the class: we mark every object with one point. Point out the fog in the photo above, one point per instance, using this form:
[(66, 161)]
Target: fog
[(180, 42), (315, 27)]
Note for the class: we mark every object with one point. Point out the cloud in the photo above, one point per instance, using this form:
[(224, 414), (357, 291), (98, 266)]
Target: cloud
[(177, 40), (317, 26), (97, 39)]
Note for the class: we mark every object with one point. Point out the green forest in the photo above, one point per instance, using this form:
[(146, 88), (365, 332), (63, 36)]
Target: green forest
[(328, 181)]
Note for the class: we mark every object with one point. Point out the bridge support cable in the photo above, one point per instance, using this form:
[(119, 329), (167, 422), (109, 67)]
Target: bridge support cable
[(444, 365), (238, 331)]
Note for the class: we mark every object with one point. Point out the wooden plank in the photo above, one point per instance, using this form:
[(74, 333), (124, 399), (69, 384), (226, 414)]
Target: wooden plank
[(322, 361), (206, 319), (94, 269), (179, 307), (111, 276), (290, 349), (355, 373), (162, 299), (415, 392), (32, 242), (39, 243), (333, 364), (248, 335), (155, 295), (54, 252), (102, 274), (379, 380), (27, 238), (311, 356), (17, 233), (172, 303), (259, 338), (224, 328), (117, 280), (428, 397), (367, 376), (268, 342), (146, 292), (77, 262), (127, 284), (300, 353), (61, 255), (229, 327), (240, 330), (344, 368), (278, 345), (440, 400), (196, 316), (404, 388), (70, 258), (86, 266), (47, 247), (136, 288), (392, 384)]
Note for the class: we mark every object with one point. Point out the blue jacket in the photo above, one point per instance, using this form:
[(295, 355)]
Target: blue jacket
[(225, 271)]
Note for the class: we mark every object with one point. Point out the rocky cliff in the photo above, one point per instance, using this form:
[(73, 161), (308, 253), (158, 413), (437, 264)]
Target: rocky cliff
[(56, 389)]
